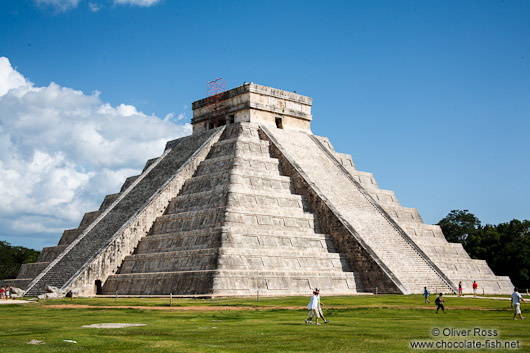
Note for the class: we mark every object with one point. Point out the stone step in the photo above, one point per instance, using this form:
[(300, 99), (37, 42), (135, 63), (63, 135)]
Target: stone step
[(288, 209), (203, 182), (190, 240), (226, 163), (221, 196), (216, 197), (188, 260), (270, 219), (243, 230), (240, 146), (286, 232), (245, 131), (277, 241), (245, 180), (185, 221)]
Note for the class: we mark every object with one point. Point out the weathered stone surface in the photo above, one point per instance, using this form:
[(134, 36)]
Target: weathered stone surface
[(53, 293), (17, 292), (257, 104)]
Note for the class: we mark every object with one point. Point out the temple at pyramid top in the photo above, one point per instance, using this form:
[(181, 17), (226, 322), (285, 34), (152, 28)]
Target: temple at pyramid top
[(254, 103)]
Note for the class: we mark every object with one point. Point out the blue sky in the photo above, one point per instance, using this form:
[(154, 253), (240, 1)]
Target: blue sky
[(433, 97)]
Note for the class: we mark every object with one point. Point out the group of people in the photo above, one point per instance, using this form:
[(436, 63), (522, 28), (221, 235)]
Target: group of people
[(439, 300), (5, 292), (515, 300), (460, 293), (475, 286)]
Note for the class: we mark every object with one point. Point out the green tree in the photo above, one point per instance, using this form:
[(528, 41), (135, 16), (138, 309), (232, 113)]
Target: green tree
[(512, 255), (505, 247), (12, 257), (459, 225)]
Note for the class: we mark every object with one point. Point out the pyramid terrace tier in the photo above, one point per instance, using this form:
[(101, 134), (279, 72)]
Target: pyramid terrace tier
[(240, 146), (185, 221), (234, 283), (238, 195), (234, 237), (253, 164), (227, 258)]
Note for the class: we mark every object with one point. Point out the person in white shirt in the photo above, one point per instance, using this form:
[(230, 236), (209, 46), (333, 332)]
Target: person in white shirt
[(317, 291), (313, 309), (516, 304)]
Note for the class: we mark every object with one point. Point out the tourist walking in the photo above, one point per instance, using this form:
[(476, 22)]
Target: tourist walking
[(2, 293), (317, 291), (439, 301), (313, 309), (8, 292), (475, 286), (460, 289), (516, 304), (426, 295)]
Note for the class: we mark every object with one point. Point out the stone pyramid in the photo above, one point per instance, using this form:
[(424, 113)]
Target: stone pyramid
[(253, 202)]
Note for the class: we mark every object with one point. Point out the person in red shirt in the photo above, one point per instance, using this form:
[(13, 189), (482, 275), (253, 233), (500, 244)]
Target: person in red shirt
[(475, 285)]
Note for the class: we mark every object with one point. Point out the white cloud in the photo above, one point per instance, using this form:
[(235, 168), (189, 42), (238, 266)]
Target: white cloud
[(9, 78), (94, 7), (62, 151), (58, 5), (143, 3)]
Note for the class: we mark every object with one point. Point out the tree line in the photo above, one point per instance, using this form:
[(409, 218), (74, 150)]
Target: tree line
[(12, 257), (505, 246)]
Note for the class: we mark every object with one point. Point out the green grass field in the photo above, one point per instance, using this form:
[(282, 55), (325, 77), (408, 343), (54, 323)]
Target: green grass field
[(384, 323)]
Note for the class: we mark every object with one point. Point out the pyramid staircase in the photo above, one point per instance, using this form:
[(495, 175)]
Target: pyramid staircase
[(98, 246), (401, 259), (450, 258), (235, 228), (29, 271)]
